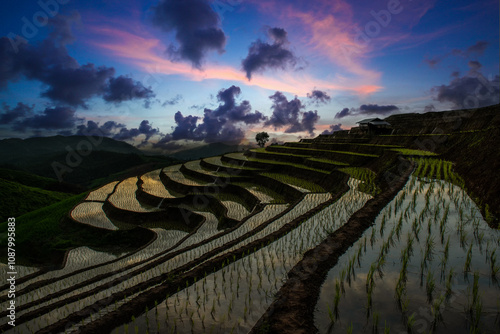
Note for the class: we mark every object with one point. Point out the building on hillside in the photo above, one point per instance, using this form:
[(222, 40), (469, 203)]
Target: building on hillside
[(375, 126)]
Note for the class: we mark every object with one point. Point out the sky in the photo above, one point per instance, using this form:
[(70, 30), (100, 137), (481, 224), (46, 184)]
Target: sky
[(170, 74)]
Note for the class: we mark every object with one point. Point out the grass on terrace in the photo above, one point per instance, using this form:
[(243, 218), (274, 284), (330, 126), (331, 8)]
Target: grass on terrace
[(329, 161), (313, 187), (406, 151), (366, 176), (278, 198), (283, 163), (331, 151)]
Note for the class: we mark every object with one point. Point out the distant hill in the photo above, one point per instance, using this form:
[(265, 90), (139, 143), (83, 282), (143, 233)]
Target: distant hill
[(40, 155), (205, 151), (13, 150)]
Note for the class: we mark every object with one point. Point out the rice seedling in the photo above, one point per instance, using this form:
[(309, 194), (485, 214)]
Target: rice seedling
[(468, 260), (493, 267), (430, 285)]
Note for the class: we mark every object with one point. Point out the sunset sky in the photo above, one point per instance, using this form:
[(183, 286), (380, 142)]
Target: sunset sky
[(166, 74)]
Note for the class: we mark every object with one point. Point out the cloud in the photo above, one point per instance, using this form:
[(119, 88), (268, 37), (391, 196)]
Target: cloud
[(173, 101), (143, 53), (145, 128), (429, 108), (223, 124), (343, 113), (319, 96), (64, 79), (108, 129), (376, 109), (290, 114), (196, 27), (433, 62), (470, 91), (476, 49), (368, 109), (262, 55), (333, 128), (124, 88), (8, 114), (54, 118), (474, 65)]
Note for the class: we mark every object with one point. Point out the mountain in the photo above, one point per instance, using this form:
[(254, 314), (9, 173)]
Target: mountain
[(15, 149), (206, 151), (75, 159)]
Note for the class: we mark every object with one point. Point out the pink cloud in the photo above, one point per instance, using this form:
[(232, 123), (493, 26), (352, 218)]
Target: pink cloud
[(146, 54)]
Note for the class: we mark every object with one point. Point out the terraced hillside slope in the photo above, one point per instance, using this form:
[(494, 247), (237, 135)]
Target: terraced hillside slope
[(336, 234)]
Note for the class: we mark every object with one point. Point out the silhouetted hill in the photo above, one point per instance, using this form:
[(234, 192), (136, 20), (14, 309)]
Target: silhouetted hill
[(14, 150), (74, 159)]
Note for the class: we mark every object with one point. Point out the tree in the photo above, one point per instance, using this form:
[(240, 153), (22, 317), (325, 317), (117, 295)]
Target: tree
[(262, 138)]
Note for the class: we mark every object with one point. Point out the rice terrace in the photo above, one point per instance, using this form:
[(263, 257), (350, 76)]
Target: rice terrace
[(348, 232), (249, 167)]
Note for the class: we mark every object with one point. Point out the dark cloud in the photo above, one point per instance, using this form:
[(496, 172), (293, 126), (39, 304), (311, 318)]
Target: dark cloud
[(74, 86), (429, 108), (474, 50), (433, 61), (186, 127), (196, 27), (376, 109), (62, 28), (108, 129), (290, 114), (470, 91), (474, 65), (124, 88), (455, 74), (333, 128), (222, 124), (55, 118), (262, 55), (343, 113), (173, 101), (65, 81), (118, 131), (477, 49), (8, 114), (145, 129), (319, 97), (368, 109)]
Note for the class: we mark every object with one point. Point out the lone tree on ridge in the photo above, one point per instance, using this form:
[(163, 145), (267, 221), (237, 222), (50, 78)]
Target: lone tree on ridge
[(262, 138)]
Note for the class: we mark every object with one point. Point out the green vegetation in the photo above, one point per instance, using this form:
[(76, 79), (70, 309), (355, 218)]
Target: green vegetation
[(295, 181), (263, 150), (329, 151), (18, 199), (262, 138), (366, 176), (432, 168), (277, 198), (329, 161), (284, 163), (406, 151)]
